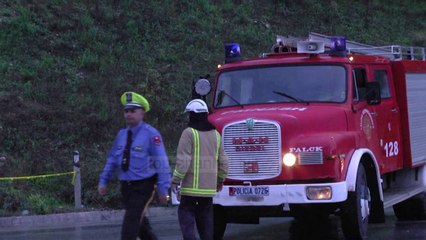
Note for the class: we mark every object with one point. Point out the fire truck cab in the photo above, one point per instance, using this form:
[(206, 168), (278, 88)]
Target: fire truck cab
[(321, 126)]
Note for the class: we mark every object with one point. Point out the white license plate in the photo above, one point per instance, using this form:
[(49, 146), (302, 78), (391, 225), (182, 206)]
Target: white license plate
[(249, 191)]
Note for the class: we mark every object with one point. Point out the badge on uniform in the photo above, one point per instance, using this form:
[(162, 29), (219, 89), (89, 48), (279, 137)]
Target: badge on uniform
[(137, 148), (157, 140)]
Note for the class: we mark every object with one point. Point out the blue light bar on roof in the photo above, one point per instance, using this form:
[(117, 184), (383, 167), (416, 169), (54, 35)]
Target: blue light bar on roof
[(338, 43), (232, 52)]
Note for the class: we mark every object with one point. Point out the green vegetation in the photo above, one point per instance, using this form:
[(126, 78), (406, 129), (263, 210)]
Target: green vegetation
[(64, 64)]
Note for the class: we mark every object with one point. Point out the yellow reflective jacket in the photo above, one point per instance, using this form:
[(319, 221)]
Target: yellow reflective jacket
[(201, 163)]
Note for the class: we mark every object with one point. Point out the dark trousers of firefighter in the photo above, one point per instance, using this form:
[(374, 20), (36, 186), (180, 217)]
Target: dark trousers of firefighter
[(136, 196), (196, 211)]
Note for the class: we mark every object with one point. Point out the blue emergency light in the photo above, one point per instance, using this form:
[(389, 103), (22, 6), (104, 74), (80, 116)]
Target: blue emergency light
[(232, 52), (338, 46), (338, 43)]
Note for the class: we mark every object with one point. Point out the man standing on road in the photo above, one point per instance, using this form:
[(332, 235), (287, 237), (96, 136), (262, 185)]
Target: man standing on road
[(201, 167), (139, 154)]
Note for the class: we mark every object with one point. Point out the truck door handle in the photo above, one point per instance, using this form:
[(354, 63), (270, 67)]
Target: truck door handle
[(394, 110)]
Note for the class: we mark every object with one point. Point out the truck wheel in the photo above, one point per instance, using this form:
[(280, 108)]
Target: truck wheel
[(357, 208), (219, 222), (411, 209)]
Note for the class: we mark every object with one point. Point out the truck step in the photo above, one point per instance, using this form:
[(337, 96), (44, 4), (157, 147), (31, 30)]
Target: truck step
[(397, 195)]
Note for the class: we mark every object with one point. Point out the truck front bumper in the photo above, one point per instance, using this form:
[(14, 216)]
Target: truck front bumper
[(274, 195)]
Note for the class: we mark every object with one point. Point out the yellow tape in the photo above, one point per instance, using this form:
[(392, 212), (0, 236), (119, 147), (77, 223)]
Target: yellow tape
[(39, 176)]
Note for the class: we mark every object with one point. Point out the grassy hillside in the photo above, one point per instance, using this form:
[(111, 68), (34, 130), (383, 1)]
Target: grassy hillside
[(64, 64)]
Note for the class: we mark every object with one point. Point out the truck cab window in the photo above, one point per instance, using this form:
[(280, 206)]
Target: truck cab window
[(381, 76), (282, 84), (360, 80)]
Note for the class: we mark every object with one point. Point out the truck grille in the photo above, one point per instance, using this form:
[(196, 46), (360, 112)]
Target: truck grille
[(254, 149), (309, 158)]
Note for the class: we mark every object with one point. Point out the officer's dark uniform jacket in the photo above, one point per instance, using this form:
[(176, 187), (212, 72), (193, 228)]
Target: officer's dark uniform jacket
[(147, 158)]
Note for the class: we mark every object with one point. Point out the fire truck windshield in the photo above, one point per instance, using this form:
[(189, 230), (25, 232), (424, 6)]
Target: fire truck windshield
[(301, 83)]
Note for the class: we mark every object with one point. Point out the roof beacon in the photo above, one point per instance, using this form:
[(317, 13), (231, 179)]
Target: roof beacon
[(232, 52), (338, 46)]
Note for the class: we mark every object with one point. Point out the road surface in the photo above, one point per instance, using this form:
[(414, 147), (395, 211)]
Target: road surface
[(166, 226)]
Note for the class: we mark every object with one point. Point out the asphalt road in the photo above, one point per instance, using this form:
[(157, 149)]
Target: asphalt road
[(164, 221)]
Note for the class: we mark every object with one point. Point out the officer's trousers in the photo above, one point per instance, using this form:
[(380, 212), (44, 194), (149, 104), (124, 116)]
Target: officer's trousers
[(136, 197), (196, 211)]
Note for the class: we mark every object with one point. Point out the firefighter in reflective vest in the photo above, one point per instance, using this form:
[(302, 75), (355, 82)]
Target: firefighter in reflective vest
[(201, 167)]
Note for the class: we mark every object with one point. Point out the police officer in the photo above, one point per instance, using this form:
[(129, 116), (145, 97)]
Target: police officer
[(139, 155), (201, 167)]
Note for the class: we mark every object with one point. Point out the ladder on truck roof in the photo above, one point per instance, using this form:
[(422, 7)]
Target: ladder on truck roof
[(393, 52)]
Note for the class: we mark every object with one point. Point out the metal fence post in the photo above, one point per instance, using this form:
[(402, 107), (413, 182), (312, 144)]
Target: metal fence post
[(77, 183)]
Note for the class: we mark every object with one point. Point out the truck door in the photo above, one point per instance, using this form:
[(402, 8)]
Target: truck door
[(364, 117), (386, 115)]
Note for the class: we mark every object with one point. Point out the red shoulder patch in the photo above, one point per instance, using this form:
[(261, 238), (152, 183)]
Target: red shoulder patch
[(157, 140)]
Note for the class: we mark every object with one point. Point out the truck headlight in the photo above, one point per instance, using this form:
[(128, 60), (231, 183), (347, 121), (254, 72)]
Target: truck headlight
[(319, 193), (289, 159)]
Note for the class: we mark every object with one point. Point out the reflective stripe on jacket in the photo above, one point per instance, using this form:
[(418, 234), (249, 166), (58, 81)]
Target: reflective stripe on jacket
[(201, 162)]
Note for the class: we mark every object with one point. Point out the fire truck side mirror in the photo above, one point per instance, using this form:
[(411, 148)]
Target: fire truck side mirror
[(373, 93)]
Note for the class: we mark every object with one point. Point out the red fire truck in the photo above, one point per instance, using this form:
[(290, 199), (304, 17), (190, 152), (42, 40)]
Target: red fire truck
[(321, 126)]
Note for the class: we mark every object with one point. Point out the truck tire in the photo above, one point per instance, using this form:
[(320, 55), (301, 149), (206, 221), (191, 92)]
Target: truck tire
[(219, 222), (411, 209), (356, 210)]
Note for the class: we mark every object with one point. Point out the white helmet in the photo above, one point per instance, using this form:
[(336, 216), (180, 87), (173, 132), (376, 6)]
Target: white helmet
[(197, 106)]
